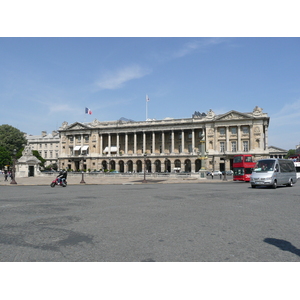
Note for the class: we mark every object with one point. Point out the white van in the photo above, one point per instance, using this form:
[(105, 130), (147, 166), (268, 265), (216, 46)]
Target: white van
[(273, 172), (297, 166)]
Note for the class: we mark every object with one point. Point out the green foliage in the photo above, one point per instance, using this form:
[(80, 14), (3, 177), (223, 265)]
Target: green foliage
[(290, 152), (38, 156), (11, 138), (5, 158)]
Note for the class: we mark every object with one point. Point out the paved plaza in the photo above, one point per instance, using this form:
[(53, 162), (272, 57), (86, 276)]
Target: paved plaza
[(183, 221)]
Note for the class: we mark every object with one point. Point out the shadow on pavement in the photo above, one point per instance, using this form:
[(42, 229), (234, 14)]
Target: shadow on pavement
[(283, 245)]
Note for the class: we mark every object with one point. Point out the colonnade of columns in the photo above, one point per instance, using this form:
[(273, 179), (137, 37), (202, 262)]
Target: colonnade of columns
[(115, 144)]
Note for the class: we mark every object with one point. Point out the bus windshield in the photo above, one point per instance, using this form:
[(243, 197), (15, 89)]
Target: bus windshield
[(264, 166)]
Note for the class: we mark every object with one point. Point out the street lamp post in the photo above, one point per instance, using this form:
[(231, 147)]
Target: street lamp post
[(145, 156), (82, 174), (13, 173)]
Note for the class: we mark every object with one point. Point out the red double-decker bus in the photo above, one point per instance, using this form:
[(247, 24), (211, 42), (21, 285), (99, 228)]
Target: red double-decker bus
[(242, 167)]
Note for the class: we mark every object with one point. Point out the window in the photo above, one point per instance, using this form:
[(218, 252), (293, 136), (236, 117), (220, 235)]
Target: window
[(245, 129), (233, 130), (222, 131), (238, 159), (200, 134), (246, 146), (190, 148), (222, 146), (233, 146)]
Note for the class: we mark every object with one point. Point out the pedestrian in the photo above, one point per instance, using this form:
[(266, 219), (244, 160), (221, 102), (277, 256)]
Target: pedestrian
[(5, 175), (212, 175)]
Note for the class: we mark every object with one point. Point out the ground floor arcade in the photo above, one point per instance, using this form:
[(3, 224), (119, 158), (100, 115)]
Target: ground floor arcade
[(190, 164)]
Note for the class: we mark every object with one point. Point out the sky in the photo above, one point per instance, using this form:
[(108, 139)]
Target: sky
[(48, 78), (61, 56)]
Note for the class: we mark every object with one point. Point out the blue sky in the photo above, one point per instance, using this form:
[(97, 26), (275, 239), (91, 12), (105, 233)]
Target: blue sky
[(46, 81)]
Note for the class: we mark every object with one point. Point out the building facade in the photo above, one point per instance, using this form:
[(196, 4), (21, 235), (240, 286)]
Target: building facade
[(47, 145), (205, 141), (276, 152)]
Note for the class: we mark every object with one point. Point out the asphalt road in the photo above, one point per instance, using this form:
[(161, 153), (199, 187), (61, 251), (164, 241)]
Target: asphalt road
[(188, 222)]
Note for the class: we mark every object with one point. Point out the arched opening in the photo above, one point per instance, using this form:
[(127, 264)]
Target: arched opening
[(112, 164), (157, 166), (167, 165), (130, 166), (198, 165), (104, 165), (177, 166), (139, 166), (148, 166), (187, 166), (121, 166)]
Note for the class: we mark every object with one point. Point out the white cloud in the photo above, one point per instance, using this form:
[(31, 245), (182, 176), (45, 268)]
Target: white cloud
[(197, 45), (57, 108), (288, 115), (117, 79)]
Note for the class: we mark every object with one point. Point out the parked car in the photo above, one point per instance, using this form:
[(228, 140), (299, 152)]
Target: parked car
[(216, 173), (230, 172)]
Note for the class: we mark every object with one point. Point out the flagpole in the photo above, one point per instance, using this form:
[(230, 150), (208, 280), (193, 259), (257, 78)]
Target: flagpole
[(147, 100), (146, 110)]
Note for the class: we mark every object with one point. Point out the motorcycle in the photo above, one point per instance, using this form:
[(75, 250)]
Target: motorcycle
[(62, 183)]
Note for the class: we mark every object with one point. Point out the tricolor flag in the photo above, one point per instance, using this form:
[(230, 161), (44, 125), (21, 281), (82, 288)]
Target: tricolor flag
[(88, 111), (147, 98)]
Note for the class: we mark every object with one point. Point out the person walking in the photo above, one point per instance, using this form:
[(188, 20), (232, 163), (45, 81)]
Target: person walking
[(5, 175)]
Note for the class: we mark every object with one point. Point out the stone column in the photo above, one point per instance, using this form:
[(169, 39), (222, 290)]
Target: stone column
[(163, 142), (109, 144), (193, 141), (172, 142), (144, 142), (227, 138), (182, 141), (251, 142), (101, 145), (153, 142), (239, 139), (118, 144), (126, 143), (134, 144), (266, 137)]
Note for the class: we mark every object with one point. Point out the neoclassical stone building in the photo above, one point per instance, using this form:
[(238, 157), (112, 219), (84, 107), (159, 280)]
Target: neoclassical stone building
[(46, 144), (204, 141)]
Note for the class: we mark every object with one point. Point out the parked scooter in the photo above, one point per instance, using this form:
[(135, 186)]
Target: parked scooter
[(63, 182)]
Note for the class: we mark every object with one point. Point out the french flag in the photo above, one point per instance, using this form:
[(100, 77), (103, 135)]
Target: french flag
[(88, 111)]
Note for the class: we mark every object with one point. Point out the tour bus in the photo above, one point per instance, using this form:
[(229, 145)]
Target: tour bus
[(297, 166), (273, 172), (242, 167)]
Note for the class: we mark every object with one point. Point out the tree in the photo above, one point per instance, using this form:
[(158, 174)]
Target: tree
[(5, 157), (290, 153), (11, 138), (38, 156)]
